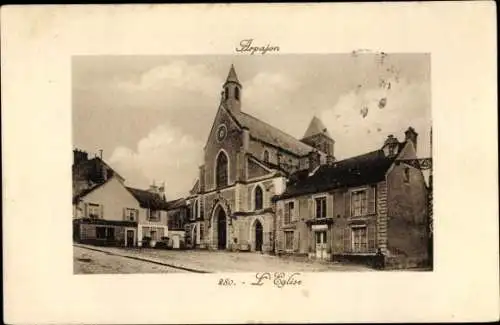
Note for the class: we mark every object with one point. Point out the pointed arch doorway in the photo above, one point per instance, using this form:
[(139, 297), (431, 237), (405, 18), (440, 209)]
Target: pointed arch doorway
[(259, 236), (221, 228)]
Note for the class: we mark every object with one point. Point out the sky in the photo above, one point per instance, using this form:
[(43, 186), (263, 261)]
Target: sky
[(151, 115)]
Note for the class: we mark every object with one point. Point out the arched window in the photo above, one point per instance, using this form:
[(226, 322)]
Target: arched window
[(258, 198), (221, 170), (237, 93), (226, 93), (266, 156)]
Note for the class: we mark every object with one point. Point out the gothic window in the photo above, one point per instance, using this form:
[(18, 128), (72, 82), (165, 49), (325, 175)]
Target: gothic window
[(266, 156), (258, 198), (237, 93), (222, 170)]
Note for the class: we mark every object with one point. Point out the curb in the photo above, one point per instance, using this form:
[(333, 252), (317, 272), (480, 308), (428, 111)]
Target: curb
[(143, 259)]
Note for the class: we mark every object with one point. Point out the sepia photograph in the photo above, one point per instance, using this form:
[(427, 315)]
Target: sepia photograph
[(307, 163)]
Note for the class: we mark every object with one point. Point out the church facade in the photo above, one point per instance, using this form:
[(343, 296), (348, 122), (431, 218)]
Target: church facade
[(246, 164)]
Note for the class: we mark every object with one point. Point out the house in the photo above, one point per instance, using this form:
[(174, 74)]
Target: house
[(106, 212), (178, 213), (350, 209), (152, 220), (246, 163)]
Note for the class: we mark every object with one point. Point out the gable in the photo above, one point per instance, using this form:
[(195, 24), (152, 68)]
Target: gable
[(222, 117), (408, 151), (112, 192)]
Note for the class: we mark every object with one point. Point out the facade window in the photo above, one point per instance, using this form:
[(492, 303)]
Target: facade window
[(359, 240), (154, 215), (221, 170), (289, 212), (320, 207), (258, 198), (288, 240), (237, 93), (202, 230), (407, 175), (94, 211), (266, 156), (131, 214), (358, 203), (175, 221)]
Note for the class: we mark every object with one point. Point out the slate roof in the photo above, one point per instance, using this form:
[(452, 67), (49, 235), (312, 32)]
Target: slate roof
[(147, 199), (267, 133), (360, 170), (175, 204), (316, 127)]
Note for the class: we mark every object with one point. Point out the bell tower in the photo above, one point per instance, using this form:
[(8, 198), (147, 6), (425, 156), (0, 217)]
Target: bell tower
[(231, 96), (318, 137)]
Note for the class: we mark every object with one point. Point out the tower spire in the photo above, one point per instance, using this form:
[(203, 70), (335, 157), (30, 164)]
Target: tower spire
[(232, 76), (232, 91)]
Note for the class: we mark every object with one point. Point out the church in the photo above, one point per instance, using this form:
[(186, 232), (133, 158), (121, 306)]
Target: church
[(260, 189), (246, 163)]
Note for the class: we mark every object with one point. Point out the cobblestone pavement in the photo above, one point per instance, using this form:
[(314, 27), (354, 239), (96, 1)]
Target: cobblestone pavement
[(87, 261), (221, 261)]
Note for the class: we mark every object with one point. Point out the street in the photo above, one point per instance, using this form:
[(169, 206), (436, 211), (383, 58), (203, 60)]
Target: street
[(87, 261), (146, 260)]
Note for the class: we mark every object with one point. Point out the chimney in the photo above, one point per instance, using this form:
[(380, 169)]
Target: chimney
[(390, 146), (79, 156), (153, 188), (314, 160), (411, 135), (330, 159)]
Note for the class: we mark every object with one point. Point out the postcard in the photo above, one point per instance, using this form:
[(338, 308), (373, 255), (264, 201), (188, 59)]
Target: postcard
[(250, 163)]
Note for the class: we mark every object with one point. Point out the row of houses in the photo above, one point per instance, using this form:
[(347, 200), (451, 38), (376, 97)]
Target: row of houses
[(262, 190)]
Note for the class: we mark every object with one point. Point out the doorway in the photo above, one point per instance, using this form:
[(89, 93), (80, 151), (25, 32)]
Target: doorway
[(321, 244), (258, 236), (221, 229), (130, 238)]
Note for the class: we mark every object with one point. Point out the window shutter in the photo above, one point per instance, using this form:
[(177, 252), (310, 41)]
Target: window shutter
[(295, 210), (124, 213), (310, 208), (372, 237), (86, 210), (347, 204), (371, 199), (102, 211), (347, 240)]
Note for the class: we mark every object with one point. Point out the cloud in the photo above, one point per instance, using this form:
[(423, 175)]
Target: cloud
[(165, 154), (362, 118), (175, 76)]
